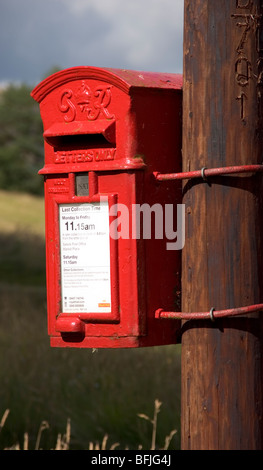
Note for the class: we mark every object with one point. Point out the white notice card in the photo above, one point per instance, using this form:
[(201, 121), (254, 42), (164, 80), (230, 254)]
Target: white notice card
[(85, 257)]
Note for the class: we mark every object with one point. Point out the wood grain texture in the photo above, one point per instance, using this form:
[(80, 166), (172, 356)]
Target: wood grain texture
[(222, 258)]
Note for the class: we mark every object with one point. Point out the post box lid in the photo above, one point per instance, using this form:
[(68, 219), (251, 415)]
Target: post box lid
[(124, 79)]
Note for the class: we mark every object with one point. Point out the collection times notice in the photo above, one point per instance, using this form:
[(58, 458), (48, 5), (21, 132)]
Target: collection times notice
[(85, 257)]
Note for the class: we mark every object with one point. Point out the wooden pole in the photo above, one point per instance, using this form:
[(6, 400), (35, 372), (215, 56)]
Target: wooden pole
[(222, 372)]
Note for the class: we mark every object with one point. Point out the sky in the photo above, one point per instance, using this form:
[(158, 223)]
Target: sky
[(37, 35)]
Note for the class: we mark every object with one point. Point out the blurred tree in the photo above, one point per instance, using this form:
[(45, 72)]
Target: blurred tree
[(53, 69), (21, 141)]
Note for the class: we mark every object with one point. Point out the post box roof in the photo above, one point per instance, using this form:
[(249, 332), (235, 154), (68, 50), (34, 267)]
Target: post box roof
[(124, 79)]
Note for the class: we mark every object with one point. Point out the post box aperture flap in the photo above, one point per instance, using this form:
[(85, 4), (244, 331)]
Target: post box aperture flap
[(109, 266)]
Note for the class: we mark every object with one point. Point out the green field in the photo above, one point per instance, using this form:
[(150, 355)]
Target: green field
[(101, 392)]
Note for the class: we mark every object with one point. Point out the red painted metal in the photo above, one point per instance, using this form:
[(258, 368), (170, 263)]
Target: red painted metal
[(205, 172), (108, 128), (212, 314)]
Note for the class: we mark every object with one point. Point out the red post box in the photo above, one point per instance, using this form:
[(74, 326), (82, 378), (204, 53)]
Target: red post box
[(109, 265)]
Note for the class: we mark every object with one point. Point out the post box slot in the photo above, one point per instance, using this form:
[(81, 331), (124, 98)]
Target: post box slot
[(81, 141), (81, 134)]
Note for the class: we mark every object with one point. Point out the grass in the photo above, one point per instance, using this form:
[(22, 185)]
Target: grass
[(97, 398), (22, 239), (21, 212), (63, 441)]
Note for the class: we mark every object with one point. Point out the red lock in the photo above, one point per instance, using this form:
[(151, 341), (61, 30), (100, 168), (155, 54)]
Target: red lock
[(109, 263)]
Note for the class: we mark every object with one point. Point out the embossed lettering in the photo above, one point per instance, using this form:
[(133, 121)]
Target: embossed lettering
[(66, 106), (85, 156), (92, 103), (102, 100), (84, 96), (59, 186)]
